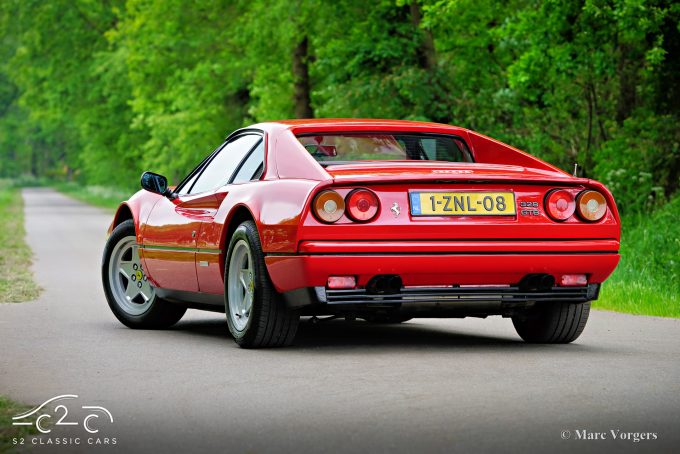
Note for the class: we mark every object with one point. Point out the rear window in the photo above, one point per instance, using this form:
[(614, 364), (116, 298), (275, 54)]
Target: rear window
[(336, 148)]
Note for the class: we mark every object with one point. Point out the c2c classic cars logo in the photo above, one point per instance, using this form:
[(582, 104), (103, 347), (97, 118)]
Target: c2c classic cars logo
[(53, 413)]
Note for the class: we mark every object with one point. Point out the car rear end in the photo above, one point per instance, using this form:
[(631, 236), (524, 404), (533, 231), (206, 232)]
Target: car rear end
[(432, 238)]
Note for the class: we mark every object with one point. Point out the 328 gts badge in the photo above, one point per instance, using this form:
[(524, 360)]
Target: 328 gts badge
[(529, 209)]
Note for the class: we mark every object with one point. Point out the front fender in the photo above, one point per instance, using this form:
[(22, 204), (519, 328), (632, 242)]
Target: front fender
[(138, 207)]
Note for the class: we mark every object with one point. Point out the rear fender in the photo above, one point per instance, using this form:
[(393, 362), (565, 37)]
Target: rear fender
[(276, 206)]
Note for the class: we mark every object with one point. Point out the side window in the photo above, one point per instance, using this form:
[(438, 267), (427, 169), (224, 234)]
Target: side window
[(189, 180), (189, 183), (252, 168), (220, 169)]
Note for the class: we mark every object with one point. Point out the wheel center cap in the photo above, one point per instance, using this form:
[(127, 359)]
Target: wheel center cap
[(139, 275)]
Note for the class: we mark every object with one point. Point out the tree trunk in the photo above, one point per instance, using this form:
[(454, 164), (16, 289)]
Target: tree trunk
[(627, 71), (301, 95), (427, 58), (34, 161)]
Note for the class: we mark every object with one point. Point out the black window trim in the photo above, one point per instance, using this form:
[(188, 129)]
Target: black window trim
[(467, 150), (245, 158), (203, 164)]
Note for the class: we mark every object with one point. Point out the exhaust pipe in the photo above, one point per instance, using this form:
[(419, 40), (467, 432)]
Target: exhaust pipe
[(384, 285), (537, 282), (532, 281), (547, 282), (394, 284), (376, 285)]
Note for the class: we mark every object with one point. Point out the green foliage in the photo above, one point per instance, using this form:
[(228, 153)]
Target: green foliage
[(647, 281), (183, 76), (372, 66), (97, 92), (640, 163)]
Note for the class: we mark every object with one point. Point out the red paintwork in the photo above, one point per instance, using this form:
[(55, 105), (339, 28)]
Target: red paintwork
[(454, 247), (303, 252), (172, 223), (424, 269)]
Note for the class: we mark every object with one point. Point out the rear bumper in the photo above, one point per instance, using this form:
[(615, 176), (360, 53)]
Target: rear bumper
[(291, 272), (461, 295), (459, 246)]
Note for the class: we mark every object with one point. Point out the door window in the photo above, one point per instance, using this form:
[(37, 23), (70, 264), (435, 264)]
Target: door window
[(219, 170)]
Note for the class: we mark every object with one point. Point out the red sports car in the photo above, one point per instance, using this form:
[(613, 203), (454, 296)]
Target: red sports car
[(373, 219)]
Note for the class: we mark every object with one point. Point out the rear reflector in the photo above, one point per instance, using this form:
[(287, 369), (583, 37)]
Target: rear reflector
[(341, 282), (574, 280)]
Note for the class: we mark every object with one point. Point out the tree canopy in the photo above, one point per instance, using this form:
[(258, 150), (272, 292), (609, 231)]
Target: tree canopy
[(98, 91)]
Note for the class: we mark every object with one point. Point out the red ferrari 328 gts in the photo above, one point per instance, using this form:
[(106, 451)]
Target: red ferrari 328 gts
[(376, 219)]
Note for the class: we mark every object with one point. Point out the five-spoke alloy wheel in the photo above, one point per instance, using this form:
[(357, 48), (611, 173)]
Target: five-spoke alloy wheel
[(129, 284), (256, 314), (241, 285), (129, 293)]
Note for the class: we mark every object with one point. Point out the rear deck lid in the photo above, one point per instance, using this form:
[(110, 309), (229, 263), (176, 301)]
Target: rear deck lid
[(422, 171)]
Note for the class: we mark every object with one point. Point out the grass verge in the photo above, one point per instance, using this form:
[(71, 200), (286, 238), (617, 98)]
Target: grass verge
[(647, 280), (16, 285), (16, 279), (8, 432), (99, 196)]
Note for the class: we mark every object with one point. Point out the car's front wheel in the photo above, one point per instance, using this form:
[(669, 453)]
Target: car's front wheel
[(552, 322), (256, 314), (130, 295)]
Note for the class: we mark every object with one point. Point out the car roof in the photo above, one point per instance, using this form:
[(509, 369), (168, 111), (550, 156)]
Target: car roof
[(358, 124)]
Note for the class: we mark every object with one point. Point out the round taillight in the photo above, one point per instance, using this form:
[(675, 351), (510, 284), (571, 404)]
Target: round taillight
[(329, 206), (591, 205), (362, 205), (560, 204)]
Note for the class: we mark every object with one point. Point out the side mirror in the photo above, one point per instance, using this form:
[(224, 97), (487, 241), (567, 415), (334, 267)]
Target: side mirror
[(156, 183)]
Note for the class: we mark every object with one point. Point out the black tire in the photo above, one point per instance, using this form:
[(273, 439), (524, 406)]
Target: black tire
[(552, 322), (270, 323), (160, 314)]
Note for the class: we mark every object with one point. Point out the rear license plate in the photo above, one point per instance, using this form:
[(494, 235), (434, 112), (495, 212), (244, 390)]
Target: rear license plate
[(462, 203)]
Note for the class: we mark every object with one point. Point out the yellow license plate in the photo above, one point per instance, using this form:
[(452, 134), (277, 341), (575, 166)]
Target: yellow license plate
[(462, 203)]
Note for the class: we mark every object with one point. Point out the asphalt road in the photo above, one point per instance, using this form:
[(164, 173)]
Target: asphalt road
[(425, 386)]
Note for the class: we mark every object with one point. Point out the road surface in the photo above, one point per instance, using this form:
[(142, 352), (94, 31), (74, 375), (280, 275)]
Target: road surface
[(425, 386)]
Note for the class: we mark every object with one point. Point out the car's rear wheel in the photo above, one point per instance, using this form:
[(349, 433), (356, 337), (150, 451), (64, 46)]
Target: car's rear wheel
[(130, 295), (256, 313), (552, 322)]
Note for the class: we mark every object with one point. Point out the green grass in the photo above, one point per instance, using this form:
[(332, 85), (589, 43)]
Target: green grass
[(8, 409), (100, 196), (16, 279), (647, 280)]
